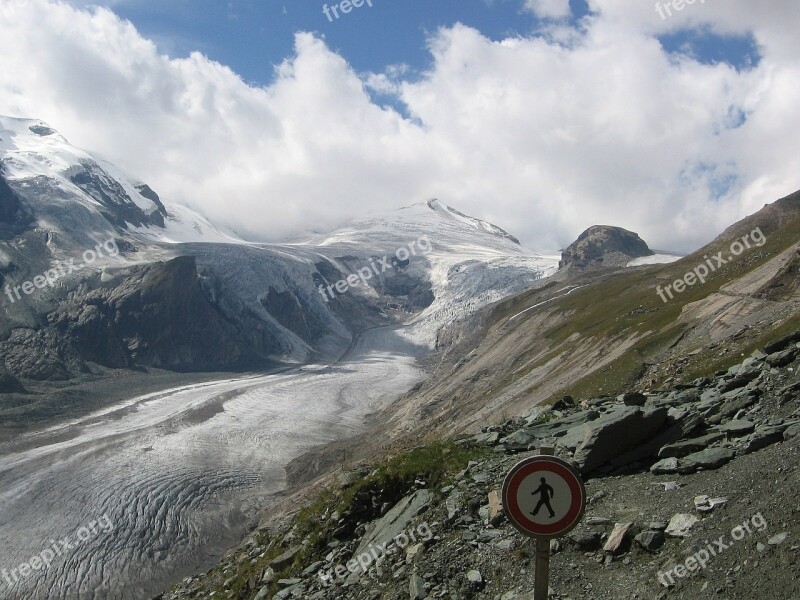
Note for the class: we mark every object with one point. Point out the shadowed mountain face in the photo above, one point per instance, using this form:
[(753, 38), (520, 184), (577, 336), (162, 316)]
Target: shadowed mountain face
[(13, 216), (118, 207), (604, 246), (156, 316)]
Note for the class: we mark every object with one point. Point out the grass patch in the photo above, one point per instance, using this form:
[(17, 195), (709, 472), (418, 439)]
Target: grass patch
[(389, 480)]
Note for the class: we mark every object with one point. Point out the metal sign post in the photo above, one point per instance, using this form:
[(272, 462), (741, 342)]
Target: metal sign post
[(544, 498)]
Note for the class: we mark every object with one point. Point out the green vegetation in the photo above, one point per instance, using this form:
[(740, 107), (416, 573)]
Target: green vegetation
[(625, 306), (390, 480)]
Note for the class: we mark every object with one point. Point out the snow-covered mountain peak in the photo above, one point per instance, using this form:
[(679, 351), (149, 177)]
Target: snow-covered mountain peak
[(471, 222), (13, 127), (54, 176), (450, 230)]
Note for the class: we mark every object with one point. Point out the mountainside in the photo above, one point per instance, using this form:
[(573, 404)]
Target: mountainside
[(599, 333), (682, 414), (94, 276)]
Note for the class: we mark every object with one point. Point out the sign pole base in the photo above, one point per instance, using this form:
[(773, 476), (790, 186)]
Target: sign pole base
[(541, 588)]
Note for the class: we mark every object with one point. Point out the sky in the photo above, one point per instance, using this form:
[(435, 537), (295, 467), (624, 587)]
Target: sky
[(542, 116)]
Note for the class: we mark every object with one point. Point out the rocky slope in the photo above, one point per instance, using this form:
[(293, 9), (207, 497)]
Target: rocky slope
[(667, 473)]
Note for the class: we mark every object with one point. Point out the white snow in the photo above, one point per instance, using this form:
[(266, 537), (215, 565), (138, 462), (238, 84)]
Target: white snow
[(656, 259)]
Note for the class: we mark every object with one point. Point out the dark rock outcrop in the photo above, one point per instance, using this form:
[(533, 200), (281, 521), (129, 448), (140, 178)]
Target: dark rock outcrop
[(604, 246), (8, 383), (14, 215), (156, 316), (118, 207)]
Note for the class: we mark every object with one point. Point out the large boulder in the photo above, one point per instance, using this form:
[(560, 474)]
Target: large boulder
[(708, 459), (679, 426), (617, 432)]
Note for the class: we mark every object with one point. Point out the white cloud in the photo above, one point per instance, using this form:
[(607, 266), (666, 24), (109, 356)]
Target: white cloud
[(543, 135), (549, 9)]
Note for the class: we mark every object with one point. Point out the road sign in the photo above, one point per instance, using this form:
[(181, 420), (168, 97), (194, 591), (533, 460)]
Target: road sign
[(544, 497)]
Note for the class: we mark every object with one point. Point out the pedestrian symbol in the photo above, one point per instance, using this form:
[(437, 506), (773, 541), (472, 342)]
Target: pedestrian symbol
[(545, 492)]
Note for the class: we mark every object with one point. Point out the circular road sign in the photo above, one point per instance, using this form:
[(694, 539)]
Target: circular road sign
[(544, 497)]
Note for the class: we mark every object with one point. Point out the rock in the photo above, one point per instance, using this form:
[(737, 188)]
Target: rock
[(603, 246), (413, 552), (395, 522), (650, 540), (763, 437), (534, 414), (416, 588), (680, 524), (706, 504), (345, 480), (791, 432), (680, 397), (782, 343), (733, 406), (480, 478), (666, 466), (559, 427), (286, 593), (285, 559), (776, 540), (495, 507), (687, 447), (781, 359), (615, 432), (565, 403), (670, 485), (506, 544), (312, 568), (617, 540), (742, 379), (474, 577), (519, 441), (285, 583), (597, 496), (490, 438), (453, 506), (681, 423), (263, 594), (788, 393), (489, 535), (737, 428), (587, 541), (633, 399), (709, 459), (268, 576)]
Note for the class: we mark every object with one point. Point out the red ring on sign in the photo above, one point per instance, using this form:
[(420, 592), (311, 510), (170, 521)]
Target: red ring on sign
[(541, 463)]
